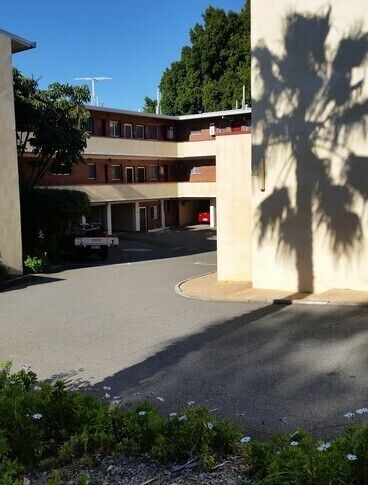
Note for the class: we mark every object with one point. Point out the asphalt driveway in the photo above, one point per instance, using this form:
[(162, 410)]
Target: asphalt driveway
[(121, 325)]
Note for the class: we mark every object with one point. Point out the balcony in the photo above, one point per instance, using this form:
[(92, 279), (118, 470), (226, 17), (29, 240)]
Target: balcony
[(130, 192), (101, 146)]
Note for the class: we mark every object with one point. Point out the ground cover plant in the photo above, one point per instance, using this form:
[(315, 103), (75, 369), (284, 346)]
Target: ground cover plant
[(46, 427)]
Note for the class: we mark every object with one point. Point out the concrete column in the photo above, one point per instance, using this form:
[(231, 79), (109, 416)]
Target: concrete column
[(10, 227), (213, 213), (162, 215), (137, 220), (109, 218)]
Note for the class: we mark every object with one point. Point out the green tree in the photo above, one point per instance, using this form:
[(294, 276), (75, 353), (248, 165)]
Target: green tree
[(51, 125), (149, 105), (212, 71)]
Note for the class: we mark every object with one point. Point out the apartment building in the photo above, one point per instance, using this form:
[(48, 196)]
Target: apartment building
[(10, 229), (144, 171)]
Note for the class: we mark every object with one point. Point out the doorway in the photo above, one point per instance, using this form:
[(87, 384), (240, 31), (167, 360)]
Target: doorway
[(129, 175), (143, 219), (164, 173), (141, 174)]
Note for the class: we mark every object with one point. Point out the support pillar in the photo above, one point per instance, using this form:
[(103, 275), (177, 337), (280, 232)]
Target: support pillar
[(162, 205), (136, 217), (108, 218), (213, 221)]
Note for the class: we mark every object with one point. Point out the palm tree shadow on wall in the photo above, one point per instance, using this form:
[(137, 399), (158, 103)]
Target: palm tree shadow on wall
[(311, 104)]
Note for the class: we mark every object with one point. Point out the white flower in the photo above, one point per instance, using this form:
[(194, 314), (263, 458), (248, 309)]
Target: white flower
[(324, 446), (209, 425), (160, 398), (25, 367), (172, 415), (37, 416), (245, 440), (107, 395), (190, 403), (182, 418), (115, 400), (351, 457), (294, 443), (348, 415), (142, 413), (106, 388), (362, 411), (36, 388)]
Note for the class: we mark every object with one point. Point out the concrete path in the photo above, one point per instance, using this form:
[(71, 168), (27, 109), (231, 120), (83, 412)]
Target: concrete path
[(123, 326), (206, 287)]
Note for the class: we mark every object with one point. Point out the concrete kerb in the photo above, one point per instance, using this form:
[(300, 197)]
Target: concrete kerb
[(275, 301)]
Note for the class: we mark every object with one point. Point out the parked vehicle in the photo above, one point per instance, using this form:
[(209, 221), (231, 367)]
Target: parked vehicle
[(87, 238), (204, 217)]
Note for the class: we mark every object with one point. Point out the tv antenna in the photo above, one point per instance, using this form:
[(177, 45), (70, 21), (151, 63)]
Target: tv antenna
[(93, 79)]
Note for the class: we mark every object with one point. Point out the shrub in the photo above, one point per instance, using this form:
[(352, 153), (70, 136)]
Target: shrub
[(45, 426), (35, 264), (299, 459)]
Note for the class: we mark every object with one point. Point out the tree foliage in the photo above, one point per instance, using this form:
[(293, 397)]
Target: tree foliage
[(211, 72), (51, 124), (49, 212), (149, 105)]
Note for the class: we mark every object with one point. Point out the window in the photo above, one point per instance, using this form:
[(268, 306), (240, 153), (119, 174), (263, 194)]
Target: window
[(167, 206), (129, 175), (153, 212), (152, 172), (170, 132), (128, 130), (92, 171), (139, 132), (115, 172), (141, 174), (195, 130), (152, 132), (114, 128), (89, 125)]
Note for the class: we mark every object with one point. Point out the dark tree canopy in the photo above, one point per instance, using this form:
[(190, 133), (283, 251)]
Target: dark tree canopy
[(51, 124), (211, 72)]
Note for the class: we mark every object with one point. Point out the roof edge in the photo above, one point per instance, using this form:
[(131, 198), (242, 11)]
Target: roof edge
[(210, 114), (19, 44)]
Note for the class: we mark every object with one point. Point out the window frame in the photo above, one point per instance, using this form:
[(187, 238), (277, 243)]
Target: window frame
[(143, 132), (157, 172), (155, 212), (126, 174), (95, 171), (131, 131), (145, 175), (116, 124), (112, 172)]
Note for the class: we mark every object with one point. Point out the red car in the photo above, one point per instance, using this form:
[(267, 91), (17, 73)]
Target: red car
[(204, 217)]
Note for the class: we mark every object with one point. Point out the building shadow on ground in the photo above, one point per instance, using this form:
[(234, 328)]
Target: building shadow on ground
[(275, 367)]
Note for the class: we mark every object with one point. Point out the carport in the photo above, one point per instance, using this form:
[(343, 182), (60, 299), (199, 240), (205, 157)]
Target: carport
[(123, 217), (190, 208)]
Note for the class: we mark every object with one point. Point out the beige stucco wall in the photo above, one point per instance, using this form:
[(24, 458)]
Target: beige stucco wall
[(332, 250), (122, 148), (10, 228), (202, 190), (99, 146), (234, 224)]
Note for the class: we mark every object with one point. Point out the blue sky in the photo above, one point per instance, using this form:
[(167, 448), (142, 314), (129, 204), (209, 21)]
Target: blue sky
[(131, 41)]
